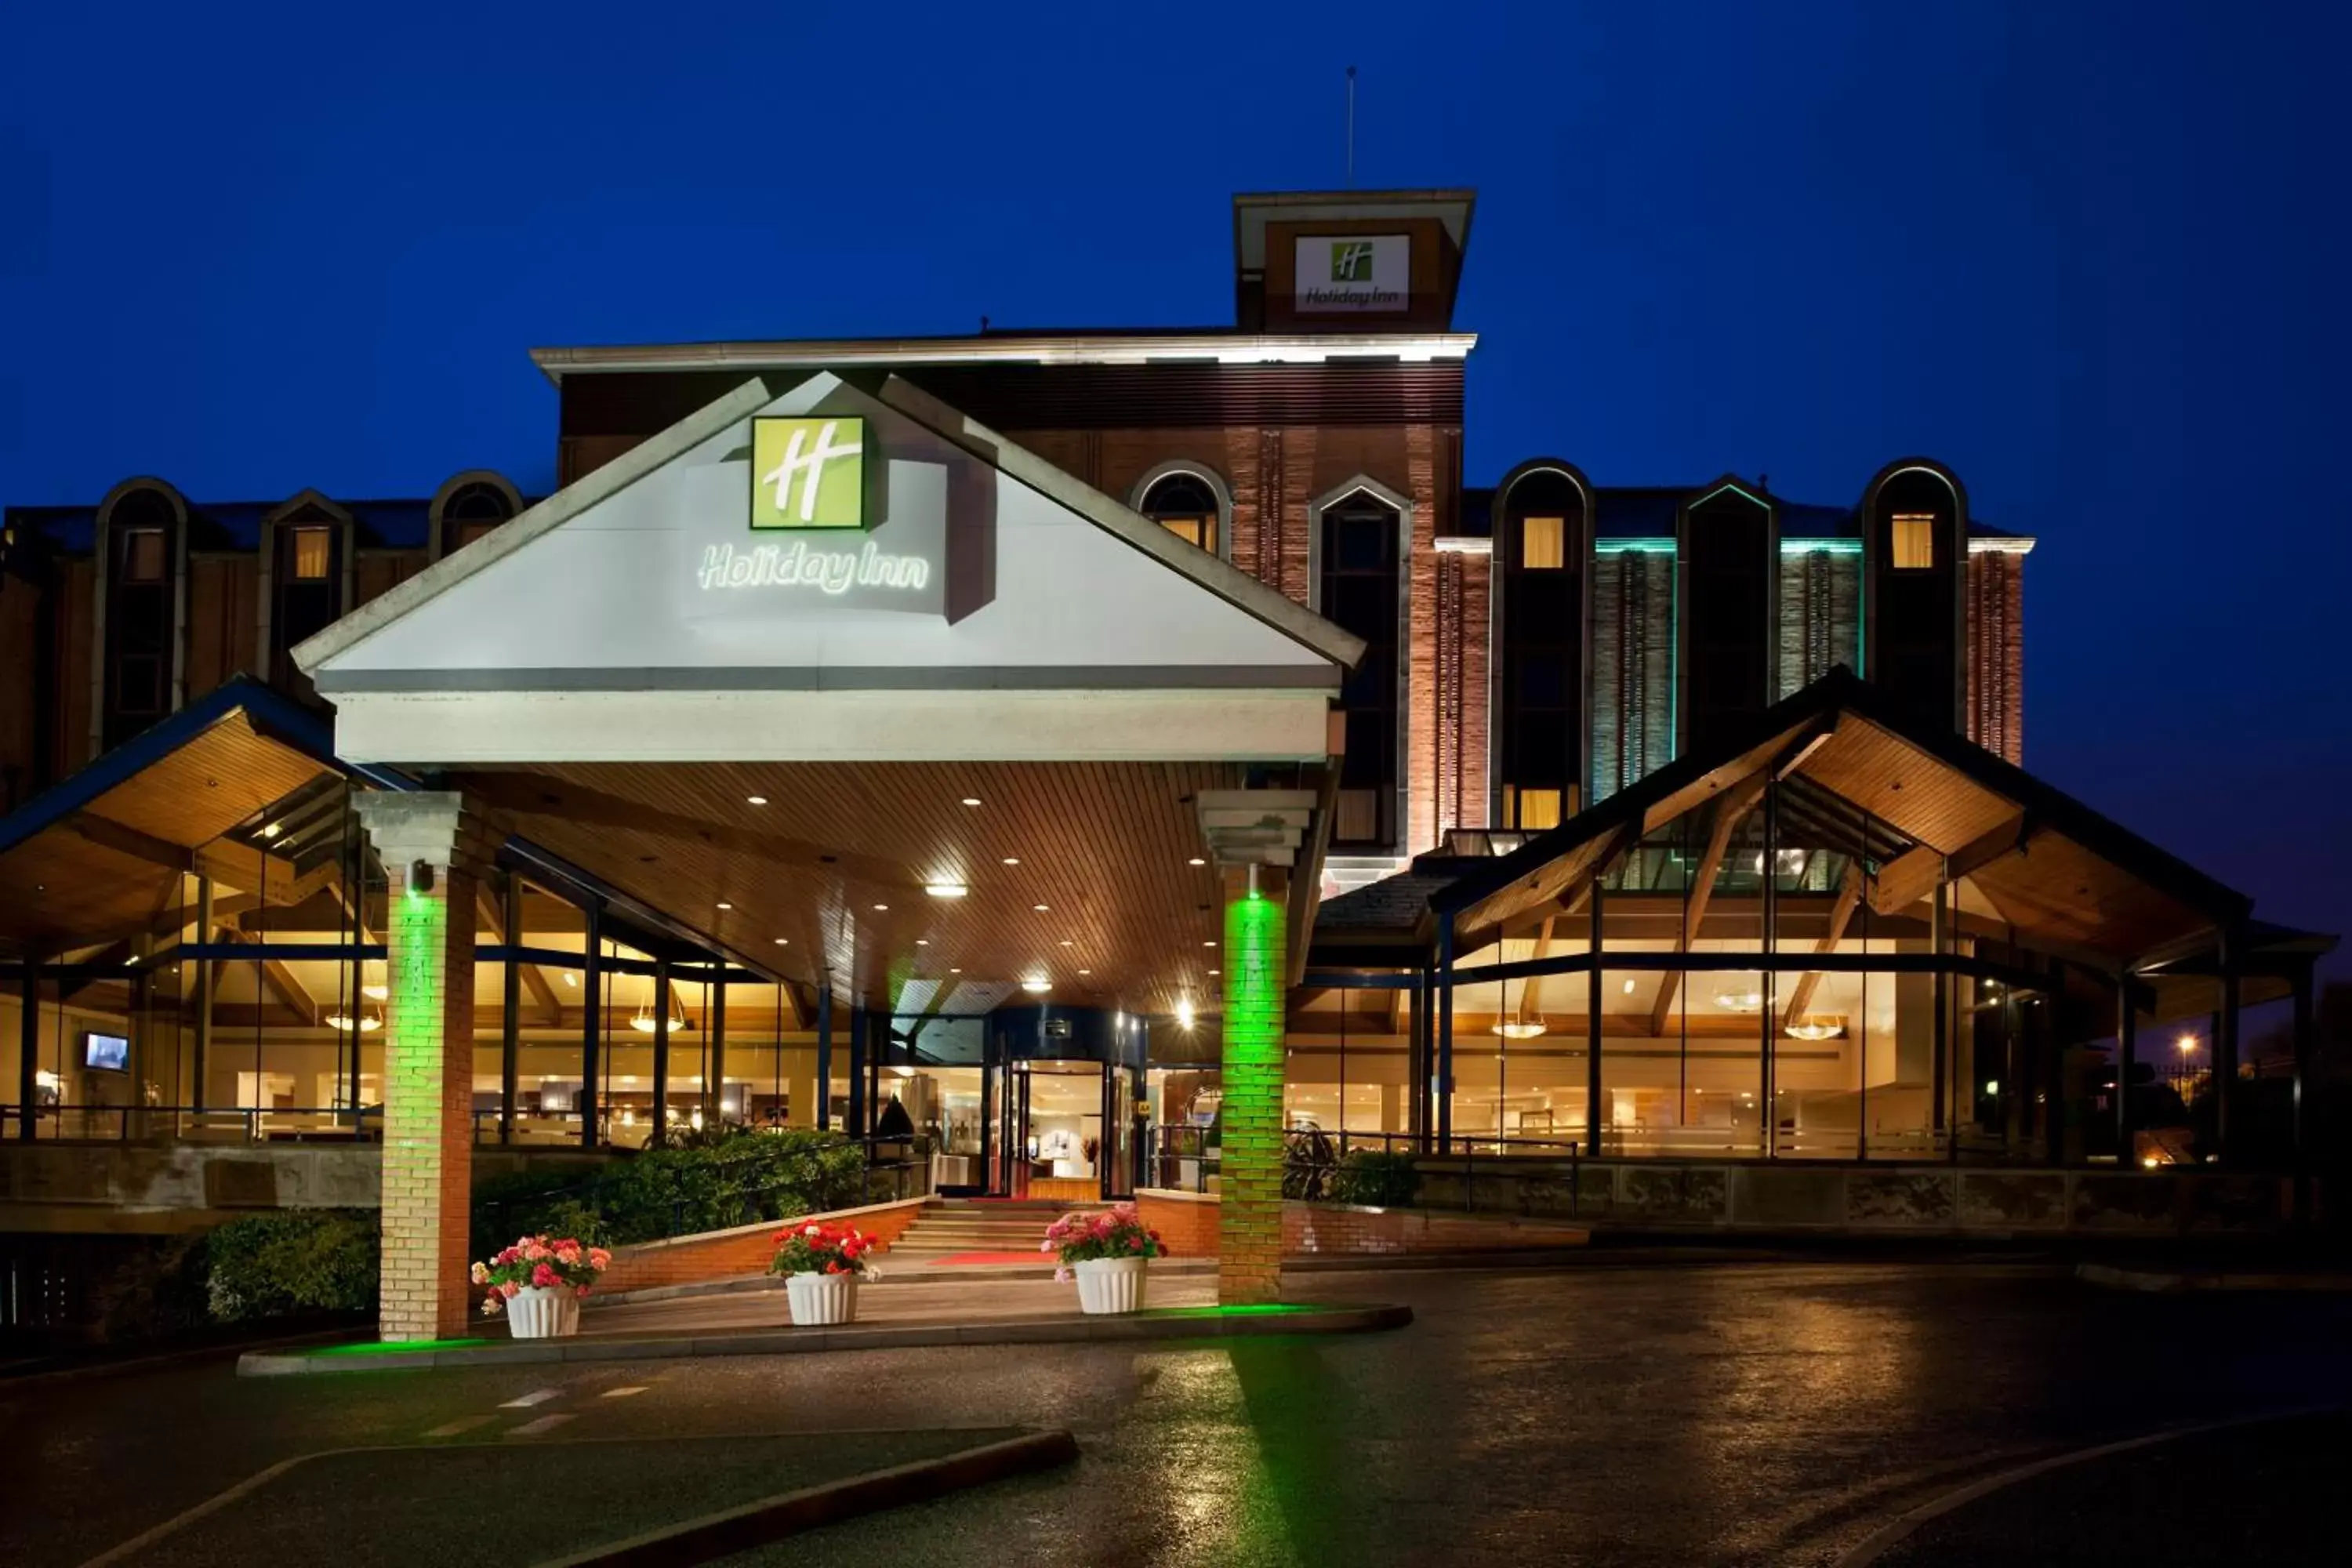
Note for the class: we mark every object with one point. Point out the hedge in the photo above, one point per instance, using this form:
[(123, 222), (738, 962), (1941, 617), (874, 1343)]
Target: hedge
[(734, 1179), (293, 1261)]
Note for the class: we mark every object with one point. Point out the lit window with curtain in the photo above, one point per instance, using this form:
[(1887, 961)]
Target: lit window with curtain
[(1543, 544), (314, 549), (1914, 541)]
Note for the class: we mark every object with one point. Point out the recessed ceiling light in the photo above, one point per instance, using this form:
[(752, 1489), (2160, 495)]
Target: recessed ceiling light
[(569, 978), (756, 799), (1013, 859), (1208, 944), (1040, 909), (784, 942), (922, 942), (725, 905), (972, 800), (953, 970), (272, 831), (946, 890), (1214, 972), (1068, 943), (1036, 986), (1196, 860), (881, 908), (1086, 972)]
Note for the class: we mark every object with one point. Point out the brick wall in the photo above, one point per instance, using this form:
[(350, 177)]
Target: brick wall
[(1186, 1224), (743, 1249), (1996, 653)]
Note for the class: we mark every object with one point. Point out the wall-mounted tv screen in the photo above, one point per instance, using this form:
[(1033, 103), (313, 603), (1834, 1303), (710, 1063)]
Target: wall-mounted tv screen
[(105, 1053)]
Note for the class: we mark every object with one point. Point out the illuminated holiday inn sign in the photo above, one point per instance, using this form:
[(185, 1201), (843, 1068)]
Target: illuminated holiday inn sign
[(809, 473)]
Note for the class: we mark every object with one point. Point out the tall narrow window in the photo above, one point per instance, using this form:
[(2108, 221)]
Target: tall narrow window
[(1358, 585), (308, 595), (1543, 544), (1541, 555), (1186, 507), (1915, 542), (141, 614)]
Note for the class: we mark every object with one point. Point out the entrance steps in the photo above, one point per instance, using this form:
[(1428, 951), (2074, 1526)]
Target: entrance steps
[(962, 1228)]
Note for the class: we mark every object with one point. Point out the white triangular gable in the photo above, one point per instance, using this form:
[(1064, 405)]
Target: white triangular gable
[(973, 587)]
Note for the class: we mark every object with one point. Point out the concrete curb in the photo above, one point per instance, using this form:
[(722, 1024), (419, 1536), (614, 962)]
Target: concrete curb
[(772, 1519), (2179, 1281), (1168, 1323)]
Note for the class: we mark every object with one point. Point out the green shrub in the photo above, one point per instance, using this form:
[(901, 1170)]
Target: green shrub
[(1374, 1180), (294, 1260), (741, 1177)]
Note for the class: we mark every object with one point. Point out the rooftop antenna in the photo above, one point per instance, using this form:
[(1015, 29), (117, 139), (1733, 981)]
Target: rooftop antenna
[(1351, 128)]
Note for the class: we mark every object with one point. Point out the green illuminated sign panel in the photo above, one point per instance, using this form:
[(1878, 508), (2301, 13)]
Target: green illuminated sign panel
[(1351, 261), (808, 473)]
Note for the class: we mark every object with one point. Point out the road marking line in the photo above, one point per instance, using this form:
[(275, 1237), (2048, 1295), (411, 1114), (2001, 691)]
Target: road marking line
[(624, 1392), (1880, 1540), (544, 1424), (536, 1396), (466, 1423)]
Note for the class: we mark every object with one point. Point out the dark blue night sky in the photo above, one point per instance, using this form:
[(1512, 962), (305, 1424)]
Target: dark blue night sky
[(2092, 256)]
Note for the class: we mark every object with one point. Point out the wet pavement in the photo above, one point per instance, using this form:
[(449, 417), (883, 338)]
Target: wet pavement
[(1763, 1414)]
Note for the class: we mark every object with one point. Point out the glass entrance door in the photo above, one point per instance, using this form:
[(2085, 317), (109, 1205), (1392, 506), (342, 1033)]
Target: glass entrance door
[(1052, 1130)]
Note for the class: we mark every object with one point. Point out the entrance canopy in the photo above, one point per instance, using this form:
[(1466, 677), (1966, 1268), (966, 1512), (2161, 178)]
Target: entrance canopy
[(819, 656)]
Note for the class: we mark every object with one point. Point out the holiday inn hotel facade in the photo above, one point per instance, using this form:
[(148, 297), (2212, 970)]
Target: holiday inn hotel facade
[(1131, 753)]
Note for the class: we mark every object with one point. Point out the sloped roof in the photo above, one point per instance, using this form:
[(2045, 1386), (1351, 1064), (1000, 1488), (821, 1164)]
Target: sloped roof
[(2063, 876)]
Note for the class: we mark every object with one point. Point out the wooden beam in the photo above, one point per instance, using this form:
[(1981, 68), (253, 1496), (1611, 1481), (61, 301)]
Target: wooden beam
[(1531, 993), (1913, 874), (279, 982), (108, 833), (1730, 810), (1849, 899)]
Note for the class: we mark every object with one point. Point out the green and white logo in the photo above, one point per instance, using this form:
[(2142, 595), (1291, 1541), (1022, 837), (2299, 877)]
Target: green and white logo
[(808, 473), (1351, 261)]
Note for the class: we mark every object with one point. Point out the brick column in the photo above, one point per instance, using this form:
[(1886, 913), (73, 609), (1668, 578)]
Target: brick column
[(434, 851), (1249, 1215)]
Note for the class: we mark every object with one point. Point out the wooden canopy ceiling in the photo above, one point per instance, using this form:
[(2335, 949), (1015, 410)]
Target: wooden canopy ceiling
[(106, 854), (825, 881)]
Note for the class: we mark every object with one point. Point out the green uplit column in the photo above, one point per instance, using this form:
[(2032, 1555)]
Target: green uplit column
[(1249, 1211), (433, 853)]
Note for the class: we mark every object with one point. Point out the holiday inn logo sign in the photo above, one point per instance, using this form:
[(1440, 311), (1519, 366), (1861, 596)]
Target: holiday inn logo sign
[(808, 473), (809, 476), (1362, 272)]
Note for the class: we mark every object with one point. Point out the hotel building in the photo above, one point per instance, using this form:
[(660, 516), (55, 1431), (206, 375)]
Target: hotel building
[(1118, 747)]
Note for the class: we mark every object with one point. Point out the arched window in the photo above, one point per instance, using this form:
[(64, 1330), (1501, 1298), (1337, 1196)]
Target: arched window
[(470, 513), (1184, 504)]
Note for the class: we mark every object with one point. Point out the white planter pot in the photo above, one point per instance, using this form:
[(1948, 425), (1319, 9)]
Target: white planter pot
[(542, 1312), (1107, 1285), (822, 1298)]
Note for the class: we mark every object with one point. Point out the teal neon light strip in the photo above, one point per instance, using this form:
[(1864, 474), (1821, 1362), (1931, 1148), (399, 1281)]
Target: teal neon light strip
[(1820, 547)]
